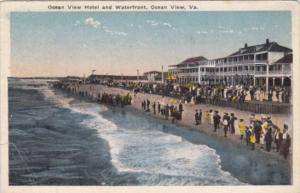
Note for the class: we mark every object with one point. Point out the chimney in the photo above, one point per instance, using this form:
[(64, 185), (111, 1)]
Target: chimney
[(246, 45), (267, 41)]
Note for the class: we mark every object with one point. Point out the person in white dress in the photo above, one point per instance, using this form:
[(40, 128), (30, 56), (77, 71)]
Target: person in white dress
[(280, 96), (274, 97), (261, 96), (257, 94), (248, 96)]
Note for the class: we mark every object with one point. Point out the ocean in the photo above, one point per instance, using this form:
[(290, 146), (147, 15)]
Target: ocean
[(59, 139)]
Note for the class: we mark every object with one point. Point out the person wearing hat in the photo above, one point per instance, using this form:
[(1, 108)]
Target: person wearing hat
[(197, 117), (286, 142), (211, 113), (226, 119), (252, 140), (216, 119), (242, 127), (268, 139), (200, 116), (252, 118), (207, 117), (249, 131), (231, 123), (278, 138)]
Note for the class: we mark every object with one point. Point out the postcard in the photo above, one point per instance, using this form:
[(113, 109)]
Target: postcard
[(149, 96)]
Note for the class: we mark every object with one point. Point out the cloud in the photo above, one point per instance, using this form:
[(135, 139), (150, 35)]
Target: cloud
[(120, 33), (156, 23), (167, 24), (230, 31), (135, 26), (97, 24), (201, 32), (77, 22), (115, 32), (255, 28), (92, 22)]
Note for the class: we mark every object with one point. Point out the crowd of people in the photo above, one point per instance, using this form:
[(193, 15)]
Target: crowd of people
[(164, 110), (256, 132), (260, 133), (115, 100), (196, 93)]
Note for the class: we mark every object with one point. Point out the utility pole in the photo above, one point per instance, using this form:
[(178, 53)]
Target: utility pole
[(162, 74), (138, 74)]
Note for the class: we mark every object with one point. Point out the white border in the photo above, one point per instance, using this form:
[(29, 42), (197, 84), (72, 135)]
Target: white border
[(7, 7)]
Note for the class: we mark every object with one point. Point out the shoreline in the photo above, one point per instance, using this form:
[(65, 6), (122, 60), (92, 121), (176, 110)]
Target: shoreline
[(188, 115), (271, 159)]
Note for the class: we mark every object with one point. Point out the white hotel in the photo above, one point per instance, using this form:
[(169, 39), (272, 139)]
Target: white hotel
[(251, 64)]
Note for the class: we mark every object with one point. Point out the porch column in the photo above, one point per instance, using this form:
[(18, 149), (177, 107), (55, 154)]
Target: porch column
[(273, 81), (267, 77), (282, 80)]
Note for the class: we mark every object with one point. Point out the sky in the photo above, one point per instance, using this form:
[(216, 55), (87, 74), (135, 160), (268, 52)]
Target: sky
[(75, 43)]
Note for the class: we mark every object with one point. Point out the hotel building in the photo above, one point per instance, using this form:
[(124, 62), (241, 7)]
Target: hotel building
[(265, 64)]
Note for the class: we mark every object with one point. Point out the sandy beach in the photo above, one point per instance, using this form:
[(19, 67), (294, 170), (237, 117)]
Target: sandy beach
[(188, 114)]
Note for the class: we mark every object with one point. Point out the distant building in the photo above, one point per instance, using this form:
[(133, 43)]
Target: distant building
[(187, 70), (72, 79), (96, 78), (153, 76)]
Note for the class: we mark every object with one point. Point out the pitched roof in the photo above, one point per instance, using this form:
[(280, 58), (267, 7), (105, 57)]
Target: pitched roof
[(152, 72), (285, 59), (271, 47), (193, 60)]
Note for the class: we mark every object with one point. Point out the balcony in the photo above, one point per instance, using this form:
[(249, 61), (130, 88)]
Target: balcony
[(242, 62), (274, 72)]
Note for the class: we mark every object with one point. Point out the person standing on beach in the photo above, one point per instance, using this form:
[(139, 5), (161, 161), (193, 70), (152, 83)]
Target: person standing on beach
[(286, 142), (207, 117), (197, 117), (248, 134), (158, 107), (252, 140), (242, 127), (166, 112), (180, 108), (148, 105), (231, 123), (200, 116), (211, 114), (257, 130), (144, 105), (216, 121), (154, 107), (226, 119), (268, 139), (278, 138)]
